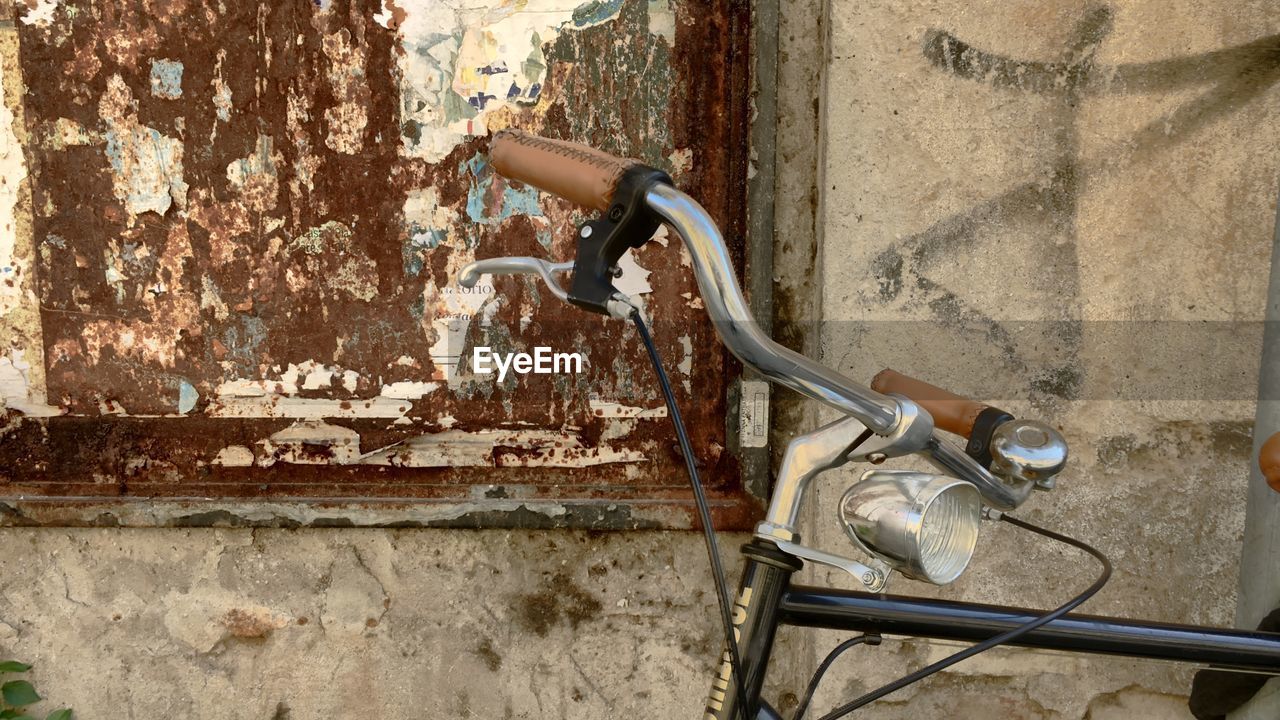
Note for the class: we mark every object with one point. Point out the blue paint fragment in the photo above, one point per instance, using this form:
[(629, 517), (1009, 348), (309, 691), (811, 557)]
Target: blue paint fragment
[(243, 336), (596, 11), (166, 79), (413, 252), (484, 207), (493, 68), (535, 90), (187, 397), (513, 92), (479, 100)]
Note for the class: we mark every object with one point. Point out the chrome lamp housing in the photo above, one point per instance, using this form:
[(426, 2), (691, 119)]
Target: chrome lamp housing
[(922, 525)]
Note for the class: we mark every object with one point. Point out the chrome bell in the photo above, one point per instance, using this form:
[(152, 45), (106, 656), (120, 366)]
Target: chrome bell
[(1028, 451)]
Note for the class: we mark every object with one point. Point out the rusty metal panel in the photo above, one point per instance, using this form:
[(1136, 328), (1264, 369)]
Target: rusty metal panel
[(238, 239)]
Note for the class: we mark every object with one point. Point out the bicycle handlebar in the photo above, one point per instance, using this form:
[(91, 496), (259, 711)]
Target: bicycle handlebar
[(590, 177), (738, 330), (593, 179)]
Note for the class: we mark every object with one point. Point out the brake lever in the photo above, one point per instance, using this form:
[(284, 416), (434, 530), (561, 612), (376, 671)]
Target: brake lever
[(619, 305), (470, 274)]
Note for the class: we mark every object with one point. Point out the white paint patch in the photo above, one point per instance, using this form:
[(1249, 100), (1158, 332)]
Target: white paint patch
[(384, 16), (464, 60), (319, 378), (457, 448), (409, 390), (276, 406), (454, 306), (13, 172), (634, 279), (310, 443), (42, 14), (686, 363), (234, 456), (610, 409), (277, 397), (16, 392)]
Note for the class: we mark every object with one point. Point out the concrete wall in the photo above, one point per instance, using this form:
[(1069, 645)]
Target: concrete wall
[(1064, 207), (1007, 234)]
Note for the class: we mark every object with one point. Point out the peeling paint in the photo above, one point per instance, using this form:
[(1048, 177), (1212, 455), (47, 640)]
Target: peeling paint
[(308, 272), (347, 120), (462, 64), (634, 279), (166, 79), (13, 172), (497, 448), (221, 93), (40, 13), (610, 409), (254, 177), (16, 392), (685, 367), (147, 165)]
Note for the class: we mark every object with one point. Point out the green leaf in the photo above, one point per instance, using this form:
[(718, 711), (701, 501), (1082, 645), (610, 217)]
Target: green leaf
[(13, 666), (19, 693), (59, 715)]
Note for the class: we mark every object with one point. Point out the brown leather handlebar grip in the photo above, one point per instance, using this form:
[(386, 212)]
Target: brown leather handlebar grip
[(1269, 461), (577, 173), (950, 412)]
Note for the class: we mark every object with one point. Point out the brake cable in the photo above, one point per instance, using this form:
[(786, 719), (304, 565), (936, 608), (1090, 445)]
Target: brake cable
[(704, 514), (989, 643)]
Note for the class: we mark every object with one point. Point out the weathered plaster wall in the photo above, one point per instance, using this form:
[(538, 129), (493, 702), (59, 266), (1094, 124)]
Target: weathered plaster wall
[(1067, 208), (944, 197)]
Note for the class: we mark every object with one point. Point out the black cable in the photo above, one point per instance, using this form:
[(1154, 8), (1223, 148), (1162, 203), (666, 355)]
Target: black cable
[(999, 639), (704, 514), (869, 638)]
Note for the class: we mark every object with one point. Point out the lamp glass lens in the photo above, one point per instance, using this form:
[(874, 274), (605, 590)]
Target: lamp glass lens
[(949, 533)]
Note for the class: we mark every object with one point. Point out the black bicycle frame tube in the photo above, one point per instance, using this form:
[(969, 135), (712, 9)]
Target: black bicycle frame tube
[(916, 617), (766, 575)]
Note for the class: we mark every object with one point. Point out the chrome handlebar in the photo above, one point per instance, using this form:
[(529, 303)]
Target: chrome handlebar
[(738, 330), (903, 426)]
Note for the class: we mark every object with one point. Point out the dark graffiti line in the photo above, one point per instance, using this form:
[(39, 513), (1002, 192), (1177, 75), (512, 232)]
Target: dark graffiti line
[(1239, 75), (963, 60)]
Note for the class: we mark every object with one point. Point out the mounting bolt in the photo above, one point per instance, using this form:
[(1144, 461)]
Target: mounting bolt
[(615, 213), (585, 231), (876, 458), (615, 271)]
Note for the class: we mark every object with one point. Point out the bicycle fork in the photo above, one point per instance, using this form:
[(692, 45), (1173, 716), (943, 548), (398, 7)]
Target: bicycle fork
[(766, 575)]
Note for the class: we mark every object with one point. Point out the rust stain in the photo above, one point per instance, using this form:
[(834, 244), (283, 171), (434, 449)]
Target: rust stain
[(247, 252)]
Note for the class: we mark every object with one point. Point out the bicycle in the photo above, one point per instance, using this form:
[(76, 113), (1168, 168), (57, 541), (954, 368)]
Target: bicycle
[(922, 525)]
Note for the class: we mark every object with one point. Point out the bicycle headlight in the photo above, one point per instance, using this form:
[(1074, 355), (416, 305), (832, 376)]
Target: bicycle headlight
[(923, 525)]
